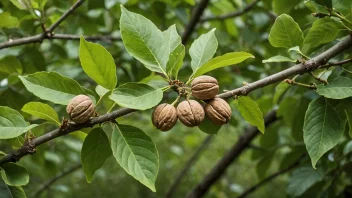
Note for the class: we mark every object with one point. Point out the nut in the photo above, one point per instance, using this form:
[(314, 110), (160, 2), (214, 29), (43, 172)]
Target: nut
[(190, 113), (80, 109), (218, 111), (204, 87), (164, 117)]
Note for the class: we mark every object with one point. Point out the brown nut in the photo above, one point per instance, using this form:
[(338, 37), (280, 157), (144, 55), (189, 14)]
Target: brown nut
[(204, 87), (218, 111), (190, 113), (80, 109), (164, 117)]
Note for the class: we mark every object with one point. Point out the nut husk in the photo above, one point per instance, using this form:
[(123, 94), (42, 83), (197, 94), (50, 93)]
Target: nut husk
[(80, 109), (164, 117), (190, 113), (218, 111), (204, 87)]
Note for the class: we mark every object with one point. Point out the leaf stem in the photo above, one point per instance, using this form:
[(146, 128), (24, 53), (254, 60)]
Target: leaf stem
[(292, 82), (318, 79), (176, 101)]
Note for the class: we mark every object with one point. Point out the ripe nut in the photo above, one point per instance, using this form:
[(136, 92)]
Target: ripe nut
[(218, 111), (204, 87), (164, 117), (80, 109), (190, 113)]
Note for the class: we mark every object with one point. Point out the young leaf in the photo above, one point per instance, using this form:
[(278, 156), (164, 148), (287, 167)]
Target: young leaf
[(339, 88), (203, 49), (208, 127), (52, 86), (285, 32), (223, 61), (12, 124), (250, 111), (323, 31), (95, 151), (144, 41), (322, 129), (98, 63), (278, 59), (302, 179), (176, 49), (42, 111), (137, 96), (14, 174), (136, 153)]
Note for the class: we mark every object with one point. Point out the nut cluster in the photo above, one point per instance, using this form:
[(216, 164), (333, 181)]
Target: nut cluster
[(80, 109), (190, 112)]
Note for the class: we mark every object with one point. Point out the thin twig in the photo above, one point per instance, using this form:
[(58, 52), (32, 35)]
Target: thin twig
[(232, 14), (339, 63), (170, 193), (318, 79), (292, 82)]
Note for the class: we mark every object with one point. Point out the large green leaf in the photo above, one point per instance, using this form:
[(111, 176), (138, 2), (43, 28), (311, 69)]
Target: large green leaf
[(176, 49), (136, 153), (209, 127), (144, 41), (52, 86), (12, 124), (14, 174), (250, 111), (8, 21), (284, 6), (278, 59), (95, 150), (223, 61), (338, 88), (203, 49), (285, 32), (98, 63), (302, 179), (322, 129), (323, 31), (137, 96), (11, 191), (42, 111)]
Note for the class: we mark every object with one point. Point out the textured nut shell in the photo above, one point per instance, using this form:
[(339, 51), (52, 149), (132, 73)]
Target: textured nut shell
[(218, 111), (190, 113), (204, 87), (164, 117), (80, 108)]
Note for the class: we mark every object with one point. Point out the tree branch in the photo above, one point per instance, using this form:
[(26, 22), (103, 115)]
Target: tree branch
[(220, 168), (314, 63), (271, 177), (232, 14), (45, 35), (188, 165), (48, 183), (88, 38), (196, 14)]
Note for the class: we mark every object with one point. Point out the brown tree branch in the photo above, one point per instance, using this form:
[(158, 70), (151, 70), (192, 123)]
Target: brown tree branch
[(314, 63), (195, 18), (188, 165), (60, 175), (232, 14), (45, 35), (220, 168), (339, 63)]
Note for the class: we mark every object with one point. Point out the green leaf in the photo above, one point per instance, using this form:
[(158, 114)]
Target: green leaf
[(285, 32), (302, 179), (338, 88), (208, 127), (136, 153), (12, 124), (250, 111), (137, 96), (11, 191), (10, 65), (278, 59), (344, 7), (95, 151), (14, 174), (203, 49), (20, 4), (101, 91), (284, 6), (264, 165), (349, 120), (280, 90), (176, 49), (52, 86), (98, 63), (42, 111), (323, 31), (322, 129), (144, 41), (8, 21), (223, 61)]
